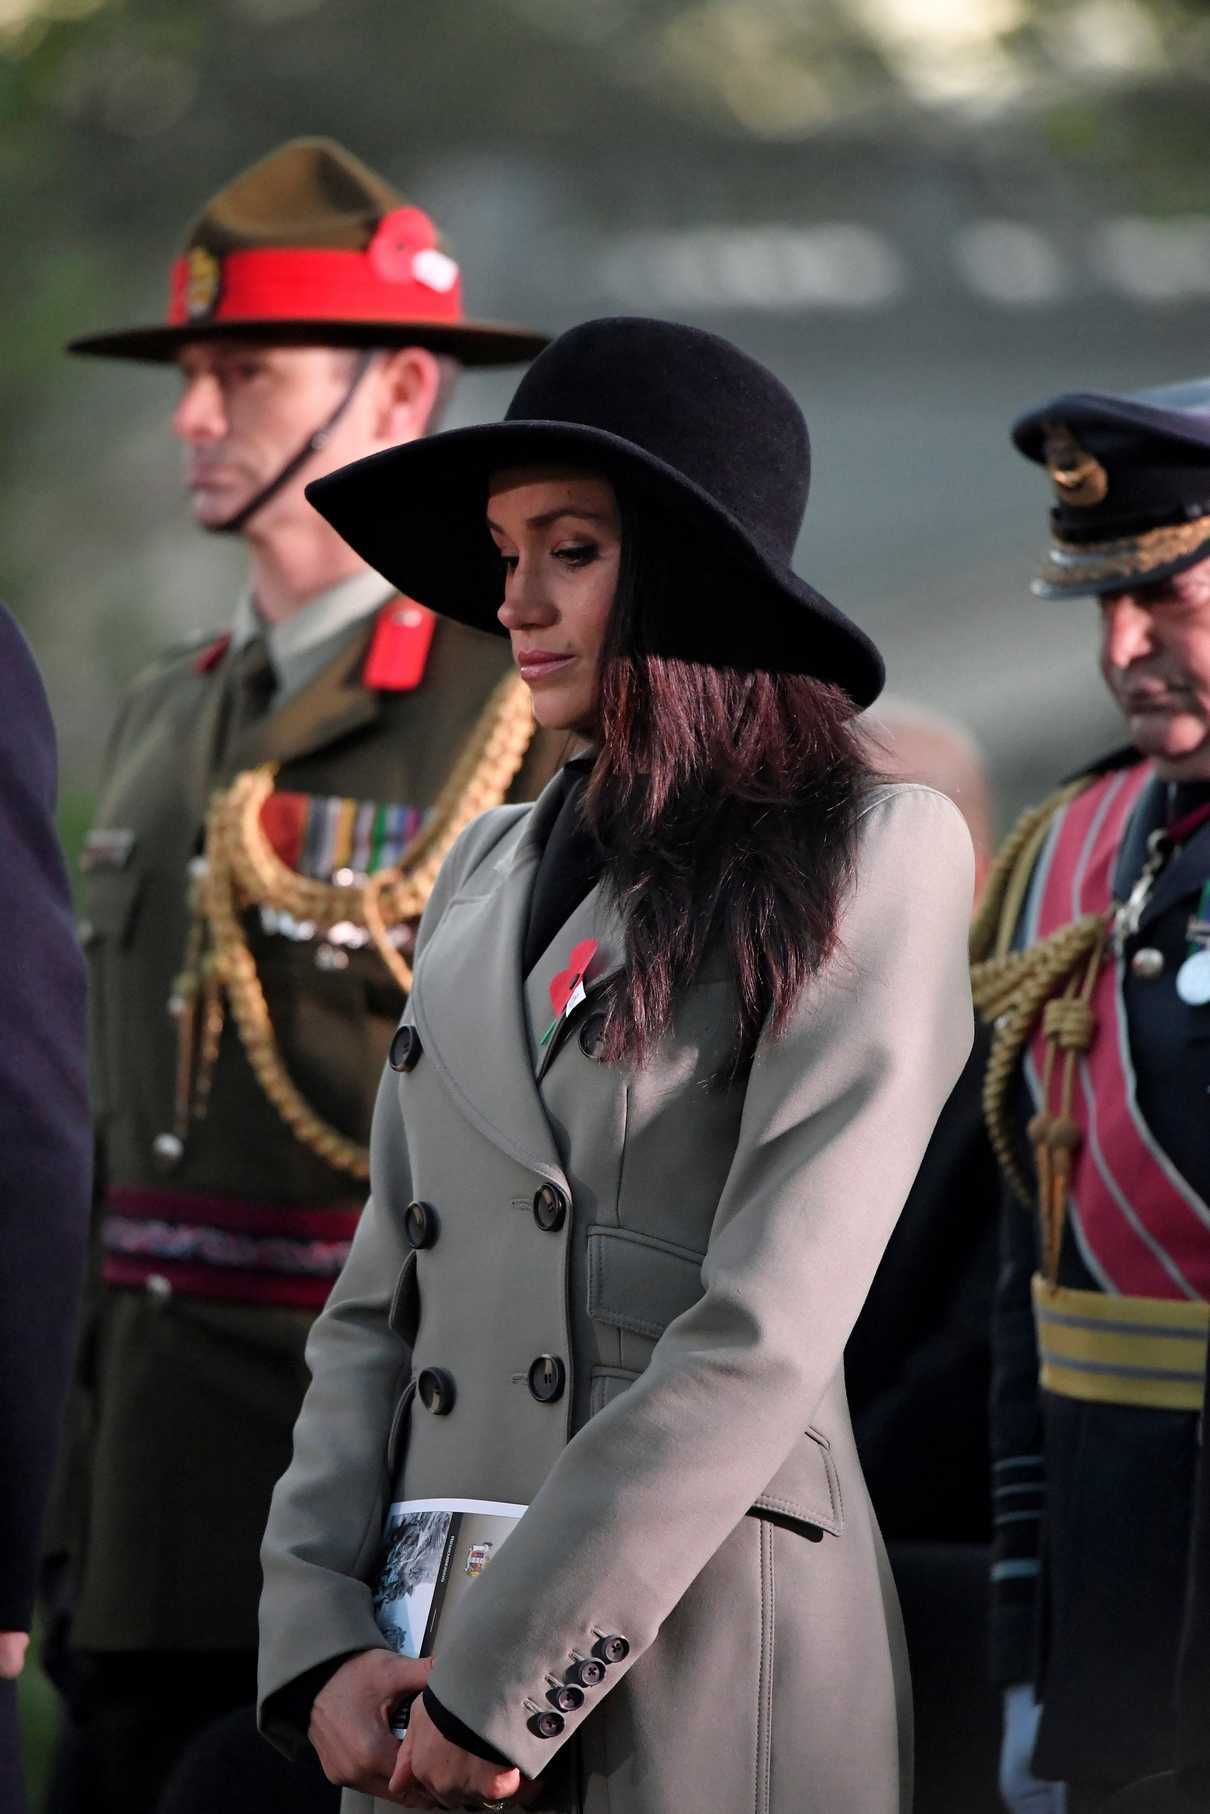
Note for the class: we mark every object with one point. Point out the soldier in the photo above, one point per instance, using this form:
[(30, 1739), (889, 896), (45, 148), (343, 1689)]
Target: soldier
[(274, 804), (1095, 971)]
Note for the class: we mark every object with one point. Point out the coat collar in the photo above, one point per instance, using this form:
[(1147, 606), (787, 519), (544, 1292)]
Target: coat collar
[(480, 1020)]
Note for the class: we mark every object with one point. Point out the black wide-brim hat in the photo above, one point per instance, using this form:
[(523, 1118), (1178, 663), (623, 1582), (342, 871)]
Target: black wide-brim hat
[(1131, 475), (675, 415), (311, 247)]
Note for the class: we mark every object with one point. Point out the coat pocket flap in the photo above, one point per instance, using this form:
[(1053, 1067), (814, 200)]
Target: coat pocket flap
[(806, 1488), (639, 1283)]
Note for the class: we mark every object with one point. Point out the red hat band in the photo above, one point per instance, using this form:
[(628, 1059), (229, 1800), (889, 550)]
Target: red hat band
[(401, 276)]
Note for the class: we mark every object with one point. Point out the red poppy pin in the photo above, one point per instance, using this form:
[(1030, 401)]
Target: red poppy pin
[(567, 989)]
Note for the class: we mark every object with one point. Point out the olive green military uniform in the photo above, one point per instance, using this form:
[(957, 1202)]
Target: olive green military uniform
[(195, 1395)]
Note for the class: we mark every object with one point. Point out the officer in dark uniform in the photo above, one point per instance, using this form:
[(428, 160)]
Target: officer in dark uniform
[(273, 805), (1095, 974)]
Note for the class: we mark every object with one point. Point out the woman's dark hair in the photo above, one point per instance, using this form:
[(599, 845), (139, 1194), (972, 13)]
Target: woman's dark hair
[(725, 793)]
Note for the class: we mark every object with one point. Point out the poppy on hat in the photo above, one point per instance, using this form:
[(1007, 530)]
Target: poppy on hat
[(1131, 475), (671, 413), (310, 246)]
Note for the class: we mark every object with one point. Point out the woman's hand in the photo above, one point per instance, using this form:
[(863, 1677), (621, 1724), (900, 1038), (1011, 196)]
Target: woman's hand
[(433, 1773), (351, 1720)]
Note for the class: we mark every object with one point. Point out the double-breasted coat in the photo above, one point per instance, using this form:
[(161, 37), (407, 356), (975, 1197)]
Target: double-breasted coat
[(693, 1489)]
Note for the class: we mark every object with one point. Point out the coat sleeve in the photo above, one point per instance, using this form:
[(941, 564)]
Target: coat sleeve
[(45, 1124), (327, 1512), (836, 1118)]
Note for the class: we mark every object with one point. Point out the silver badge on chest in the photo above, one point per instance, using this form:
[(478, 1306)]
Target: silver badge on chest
[(1193, 979)]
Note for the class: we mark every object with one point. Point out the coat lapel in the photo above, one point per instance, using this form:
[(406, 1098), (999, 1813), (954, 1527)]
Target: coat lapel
[(467, 999), (480, 1023), (594, 918), (1182, 875)]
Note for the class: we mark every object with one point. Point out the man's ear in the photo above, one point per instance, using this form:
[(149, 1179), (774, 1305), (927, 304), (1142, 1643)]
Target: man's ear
[(409, 382)]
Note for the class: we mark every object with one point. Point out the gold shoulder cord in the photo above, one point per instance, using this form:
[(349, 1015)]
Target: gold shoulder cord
[(242, 870), (1053, 980)]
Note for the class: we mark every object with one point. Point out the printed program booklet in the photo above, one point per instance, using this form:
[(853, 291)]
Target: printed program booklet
[(433, 1552)]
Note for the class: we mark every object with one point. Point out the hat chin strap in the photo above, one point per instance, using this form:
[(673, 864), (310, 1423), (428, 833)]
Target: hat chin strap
[(233, 524)]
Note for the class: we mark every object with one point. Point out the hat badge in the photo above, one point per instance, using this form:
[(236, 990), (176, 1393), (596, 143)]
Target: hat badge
[(203, 275), (1078, 477)]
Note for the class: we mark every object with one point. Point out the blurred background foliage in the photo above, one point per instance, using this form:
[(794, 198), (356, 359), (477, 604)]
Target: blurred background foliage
[(925, 213)]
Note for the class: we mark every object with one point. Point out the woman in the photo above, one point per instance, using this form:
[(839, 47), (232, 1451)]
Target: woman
[(611, 1258)]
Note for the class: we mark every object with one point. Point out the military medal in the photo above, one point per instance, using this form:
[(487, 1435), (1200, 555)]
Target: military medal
[(1128, 914), (1193, 977)]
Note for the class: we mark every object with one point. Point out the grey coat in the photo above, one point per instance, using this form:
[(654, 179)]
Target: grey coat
[(695, 1490)]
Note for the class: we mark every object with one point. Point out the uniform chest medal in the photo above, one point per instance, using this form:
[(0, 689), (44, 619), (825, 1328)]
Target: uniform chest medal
[(1193, 977)]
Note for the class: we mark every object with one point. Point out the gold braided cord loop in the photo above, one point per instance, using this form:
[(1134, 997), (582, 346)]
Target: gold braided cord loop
[(243, 870), (1013, 989), (1069, 1022), (235, 969), (1004, 891), (481, 777)]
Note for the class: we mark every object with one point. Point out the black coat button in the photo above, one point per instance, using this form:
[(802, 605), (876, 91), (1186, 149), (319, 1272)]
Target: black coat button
[(566, 1697), (436, 1390), (547, 1378), (589, 1672), (550, 1208), (420, 1224), (405, 1049), (547, 1725), (611, 1650)]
